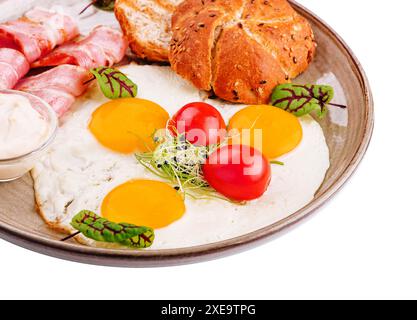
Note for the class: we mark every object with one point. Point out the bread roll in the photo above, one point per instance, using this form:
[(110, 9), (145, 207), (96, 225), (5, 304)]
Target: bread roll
[(240, 49)]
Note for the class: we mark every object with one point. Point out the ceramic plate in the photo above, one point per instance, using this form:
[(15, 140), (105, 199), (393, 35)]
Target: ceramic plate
[(348, 133)]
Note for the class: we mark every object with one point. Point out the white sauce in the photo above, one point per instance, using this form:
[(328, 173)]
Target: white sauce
[(22, 128)]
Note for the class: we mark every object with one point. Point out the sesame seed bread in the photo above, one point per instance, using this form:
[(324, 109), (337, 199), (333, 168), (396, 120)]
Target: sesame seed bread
[(240, 49), (147, 25)]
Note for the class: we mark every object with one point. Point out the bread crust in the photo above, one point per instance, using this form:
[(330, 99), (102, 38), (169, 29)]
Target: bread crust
[(268, 10), (245, 71), (242, 56), (185, 47)]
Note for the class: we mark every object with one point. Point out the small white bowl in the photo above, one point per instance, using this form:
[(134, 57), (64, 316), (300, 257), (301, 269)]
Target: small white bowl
[(14, 168)]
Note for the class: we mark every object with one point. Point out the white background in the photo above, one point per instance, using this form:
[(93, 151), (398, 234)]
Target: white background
[(363, 244)]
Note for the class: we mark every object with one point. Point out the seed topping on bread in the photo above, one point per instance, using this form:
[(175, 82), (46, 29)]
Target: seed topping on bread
[(240, 49)]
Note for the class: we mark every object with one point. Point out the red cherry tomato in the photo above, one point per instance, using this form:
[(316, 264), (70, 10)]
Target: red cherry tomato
[(238, 172), (202, 124)]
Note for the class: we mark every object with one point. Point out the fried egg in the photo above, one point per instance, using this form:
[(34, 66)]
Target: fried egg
[(281, 132), (127, 125), (143, 203), (90, 166)]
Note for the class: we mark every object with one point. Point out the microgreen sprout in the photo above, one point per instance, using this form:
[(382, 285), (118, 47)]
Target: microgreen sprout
[(177, 160)]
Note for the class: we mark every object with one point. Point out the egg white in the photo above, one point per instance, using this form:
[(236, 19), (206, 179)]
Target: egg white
[(77, 173)]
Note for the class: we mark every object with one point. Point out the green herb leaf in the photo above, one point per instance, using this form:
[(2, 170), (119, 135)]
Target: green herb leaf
[(115, 84), (144, 240), (105, 4), (304, 99), (100, 229)]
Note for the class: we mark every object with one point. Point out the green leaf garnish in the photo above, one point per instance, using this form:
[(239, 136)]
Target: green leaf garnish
[(114, 84), (100, 229), (304, 99), (107, 5)]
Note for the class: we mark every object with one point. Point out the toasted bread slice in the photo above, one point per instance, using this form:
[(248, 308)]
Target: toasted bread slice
[(147, 25)]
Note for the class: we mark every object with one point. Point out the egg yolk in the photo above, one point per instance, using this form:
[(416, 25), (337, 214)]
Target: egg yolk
[(146, 203), (127, 125), (281, 131)]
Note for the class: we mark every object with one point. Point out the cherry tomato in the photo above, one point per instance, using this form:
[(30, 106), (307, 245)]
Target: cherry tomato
[(202, 124), (238, 172)]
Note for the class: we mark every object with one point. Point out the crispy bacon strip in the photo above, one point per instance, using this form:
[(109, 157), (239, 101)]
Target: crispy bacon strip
[(58, 86), (13, 67), (37, 33), (103, 47)]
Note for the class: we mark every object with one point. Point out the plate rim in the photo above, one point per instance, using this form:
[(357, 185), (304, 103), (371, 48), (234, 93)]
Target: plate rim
[(194, 254)]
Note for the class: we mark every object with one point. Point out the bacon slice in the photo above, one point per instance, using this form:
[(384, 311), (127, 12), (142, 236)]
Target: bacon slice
[(37, 33), (58, 86), (103, 47), (13, 67)]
